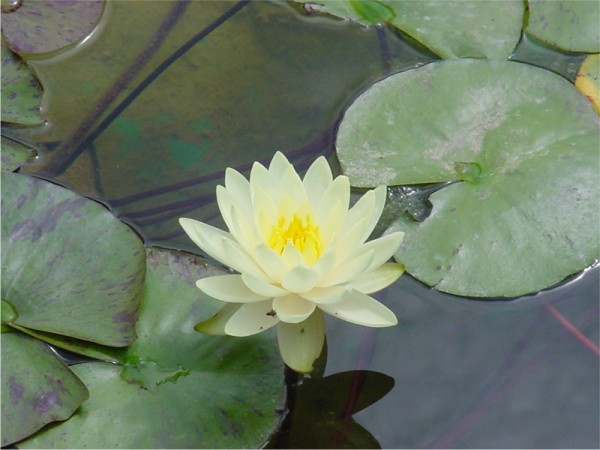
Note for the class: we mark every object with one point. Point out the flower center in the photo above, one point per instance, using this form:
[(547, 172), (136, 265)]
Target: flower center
[(301, 232)]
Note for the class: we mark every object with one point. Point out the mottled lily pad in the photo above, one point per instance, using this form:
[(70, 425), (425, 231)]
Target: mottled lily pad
[(33, 398), (21, 92), (588, 80), (523, 141), (179, 388), (451, 29), (14, 154), (572, 25), (68, 265), (46, 26)]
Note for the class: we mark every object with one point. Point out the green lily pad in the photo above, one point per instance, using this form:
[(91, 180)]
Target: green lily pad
[(572, 25), (68, 265), (180, 388), (42, 27), (524, 141), (451, 29), (21, 92), (14, 154), (33, 398)]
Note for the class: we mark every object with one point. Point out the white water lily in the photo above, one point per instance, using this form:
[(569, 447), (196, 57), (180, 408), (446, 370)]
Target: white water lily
[(299, 251)]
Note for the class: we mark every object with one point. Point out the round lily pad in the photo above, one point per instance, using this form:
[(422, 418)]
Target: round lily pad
[(451, 29), (21, 92), (179, 388), (37, 388), (522, 145), (45, 26), (68, 265), (572, 25)]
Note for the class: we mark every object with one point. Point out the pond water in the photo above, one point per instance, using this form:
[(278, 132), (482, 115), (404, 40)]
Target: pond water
[(147, 113)]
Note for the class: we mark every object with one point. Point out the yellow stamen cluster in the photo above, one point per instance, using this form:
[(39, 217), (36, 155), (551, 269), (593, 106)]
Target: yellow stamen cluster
[(303, 234)]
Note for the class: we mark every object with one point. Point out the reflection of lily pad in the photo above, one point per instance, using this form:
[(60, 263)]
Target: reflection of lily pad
[(451, 29), (588, 79), (525, 141), (46, 26), (68, 265), (21, 92), (572, 25), (34, 398), (15, 154), (180, 389)]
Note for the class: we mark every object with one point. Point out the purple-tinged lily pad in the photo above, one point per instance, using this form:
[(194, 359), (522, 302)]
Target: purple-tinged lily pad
[(46, 26), (37, 388), (21, 92), (572, 25), (178, 388), (68, 265)]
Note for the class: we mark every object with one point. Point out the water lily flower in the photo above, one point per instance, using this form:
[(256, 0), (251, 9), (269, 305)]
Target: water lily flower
[(300, 251)]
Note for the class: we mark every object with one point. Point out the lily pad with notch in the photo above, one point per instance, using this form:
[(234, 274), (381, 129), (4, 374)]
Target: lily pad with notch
[(178, 388), (521, 145)]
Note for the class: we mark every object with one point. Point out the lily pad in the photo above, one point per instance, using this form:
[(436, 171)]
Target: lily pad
[(34, 398), (43, 27), (588, 80), (21, 92), (571, 25), (180, 388), (68, 265), (15, 154), (451, 29), (525, 145)]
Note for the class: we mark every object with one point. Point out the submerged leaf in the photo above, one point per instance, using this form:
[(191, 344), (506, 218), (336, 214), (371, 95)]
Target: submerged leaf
[(528, 217), (37, 388), (179, 388), (68, 265)]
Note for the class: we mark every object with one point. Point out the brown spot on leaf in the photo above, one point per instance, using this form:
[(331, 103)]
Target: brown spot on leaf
[(16, 390)]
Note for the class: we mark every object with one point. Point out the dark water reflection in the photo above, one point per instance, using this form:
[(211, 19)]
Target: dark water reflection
[(260, 77)]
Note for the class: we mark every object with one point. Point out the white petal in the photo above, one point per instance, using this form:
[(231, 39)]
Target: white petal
[(239, 224), (347, 270), (383, 248), (337, 191), (369, 206), (300, 279), (239, 259), (279, 164), (325, 295), (316, 180), (291, 186), (377, 279), (208, 238), (326, 261), (361, 309), (332, 222), (301, 343), (215, 326), (291, 256), (239, 187), (251, 318), (270, 262), (264, 211), (292, 308), (261, 287), (228, 288), (345, 244)]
